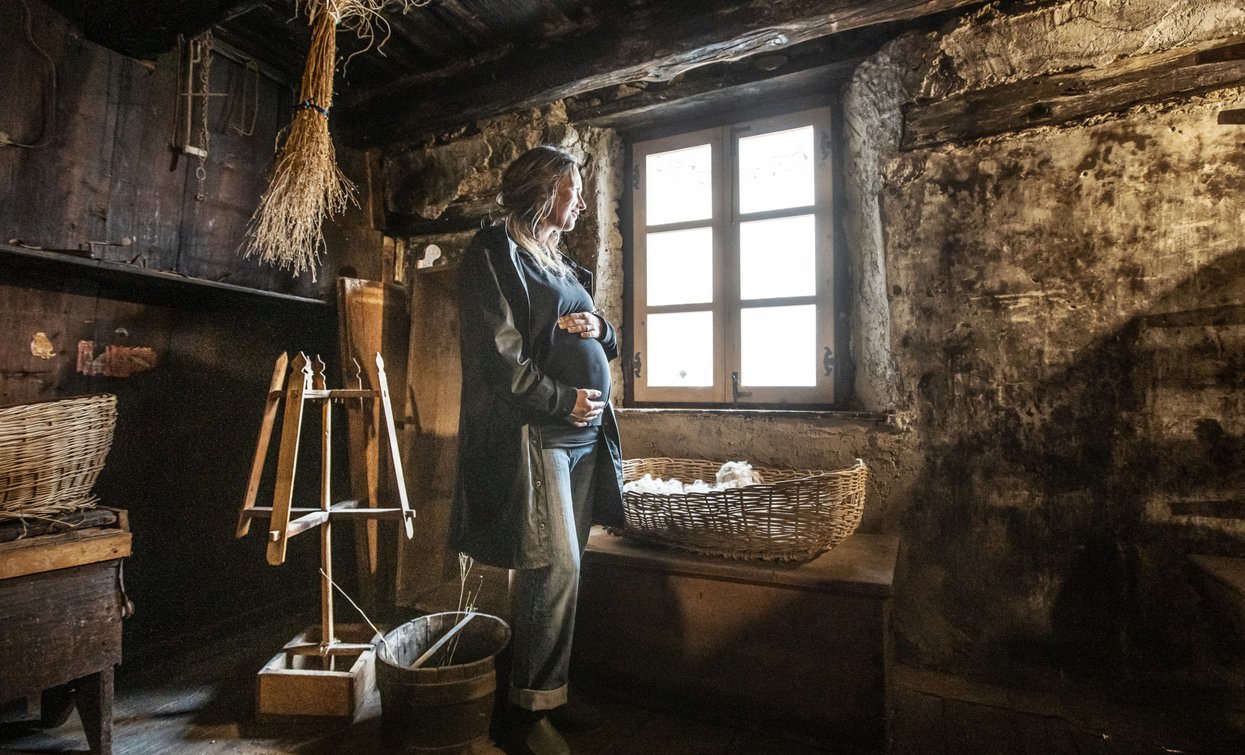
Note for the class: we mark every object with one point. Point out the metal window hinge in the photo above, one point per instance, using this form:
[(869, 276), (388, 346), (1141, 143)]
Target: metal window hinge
[(637, 365), (635, 177), (827, 361), (735, 392)]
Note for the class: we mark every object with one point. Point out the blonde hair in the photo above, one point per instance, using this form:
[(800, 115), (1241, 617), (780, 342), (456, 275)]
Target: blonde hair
[(529, 188)]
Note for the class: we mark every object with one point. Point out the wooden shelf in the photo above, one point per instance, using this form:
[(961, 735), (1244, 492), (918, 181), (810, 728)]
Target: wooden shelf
[(65, 272), (446, 267)]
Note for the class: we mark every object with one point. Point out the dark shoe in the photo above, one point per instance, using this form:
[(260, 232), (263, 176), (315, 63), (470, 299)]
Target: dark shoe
[(541, 738), (576, 718), (528, 732)]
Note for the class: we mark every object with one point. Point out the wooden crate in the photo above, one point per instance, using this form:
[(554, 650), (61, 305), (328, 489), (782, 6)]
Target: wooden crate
[(296, 685)]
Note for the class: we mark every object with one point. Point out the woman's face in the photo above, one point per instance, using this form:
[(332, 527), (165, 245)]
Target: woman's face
[(567, 203)]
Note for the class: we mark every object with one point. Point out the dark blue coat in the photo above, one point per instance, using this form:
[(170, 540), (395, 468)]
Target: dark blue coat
[(498, 514)]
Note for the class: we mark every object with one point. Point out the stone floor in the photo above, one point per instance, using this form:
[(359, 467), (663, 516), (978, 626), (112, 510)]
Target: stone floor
[(201, 702), (937, 713)]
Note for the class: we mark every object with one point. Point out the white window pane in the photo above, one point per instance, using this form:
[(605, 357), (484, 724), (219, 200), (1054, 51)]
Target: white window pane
[(778, 258), (679, 185), (679, 267), (776, 170), (680, 350), (778, 346)]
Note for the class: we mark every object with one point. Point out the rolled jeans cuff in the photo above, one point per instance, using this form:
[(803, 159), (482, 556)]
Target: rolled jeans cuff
[(538, 699)]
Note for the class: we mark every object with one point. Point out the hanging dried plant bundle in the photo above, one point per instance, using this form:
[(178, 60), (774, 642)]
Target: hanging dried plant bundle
[(306, 186), (365, 19)]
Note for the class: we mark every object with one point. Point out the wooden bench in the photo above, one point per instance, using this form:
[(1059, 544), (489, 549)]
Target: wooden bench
[(801, 646)]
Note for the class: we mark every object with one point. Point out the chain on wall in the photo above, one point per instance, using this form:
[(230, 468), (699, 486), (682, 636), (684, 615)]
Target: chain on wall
[(201, 55), (195, 78)]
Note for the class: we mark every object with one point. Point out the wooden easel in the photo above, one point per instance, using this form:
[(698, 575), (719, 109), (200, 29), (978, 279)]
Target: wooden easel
[(307, 383)]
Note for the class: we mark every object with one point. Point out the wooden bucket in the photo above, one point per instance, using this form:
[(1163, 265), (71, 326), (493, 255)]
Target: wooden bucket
[(446, 704)]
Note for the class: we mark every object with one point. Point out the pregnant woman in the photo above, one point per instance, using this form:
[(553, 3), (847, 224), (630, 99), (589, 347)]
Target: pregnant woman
[(538, 456)]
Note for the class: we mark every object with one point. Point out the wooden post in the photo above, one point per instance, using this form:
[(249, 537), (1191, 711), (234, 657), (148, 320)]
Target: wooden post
[(382, 385), (95, 695), (287, 458), (265, 436), (326, 529)]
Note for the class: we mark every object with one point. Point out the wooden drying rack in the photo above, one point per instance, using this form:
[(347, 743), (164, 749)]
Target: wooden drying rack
[(307, 383)]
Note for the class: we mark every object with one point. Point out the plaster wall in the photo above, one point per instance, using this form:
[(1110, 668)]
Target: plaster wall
[(1065, 326)]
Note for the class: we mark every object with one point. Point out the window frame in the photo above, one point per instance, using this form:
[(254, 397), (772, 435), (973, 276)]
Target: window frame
[(727, 308)]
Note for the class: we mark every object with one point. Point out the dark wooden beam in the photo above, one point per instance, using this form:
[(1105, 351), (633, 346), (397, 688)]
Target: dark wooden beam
[(146, 28), (463, 215), (1063, 97), (1231, 117), (655, 42), (812, 67), (657, 110)]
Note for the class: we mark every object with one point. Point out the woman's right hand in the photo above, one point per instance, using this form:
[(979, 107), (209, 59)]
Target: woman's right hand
[(586, 409)]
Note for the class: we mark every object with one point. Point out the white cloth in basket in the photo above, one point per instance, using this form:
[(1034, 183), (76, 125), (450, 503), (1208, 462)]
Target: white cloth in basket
[(732, 474)]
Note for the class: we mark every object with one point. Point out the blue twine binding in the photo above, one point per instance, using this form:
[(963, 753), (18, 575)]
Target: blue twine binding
[(309, 105)]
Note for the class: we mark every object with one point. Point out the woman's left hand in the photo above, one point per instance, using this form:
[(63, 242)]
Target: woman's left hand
[(586, 324)]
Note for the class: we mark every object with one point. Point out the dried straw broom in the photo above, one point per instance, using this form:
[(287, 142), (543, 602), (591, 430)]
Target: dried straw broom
[(306, 186)]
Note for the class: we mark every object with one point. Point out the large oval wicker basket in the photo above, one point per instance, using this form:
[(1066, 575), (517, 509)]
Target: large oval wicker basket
[(794, 515), (51, 452)]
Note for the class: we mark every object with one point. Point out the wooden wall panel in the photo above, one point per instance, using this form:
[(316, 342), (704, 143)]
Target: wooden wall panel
[(24, 79), (47, 201), (64, 319), (109, 171), (186, 428), (147, 211), (181, 452), (428, 570), (235, 178)]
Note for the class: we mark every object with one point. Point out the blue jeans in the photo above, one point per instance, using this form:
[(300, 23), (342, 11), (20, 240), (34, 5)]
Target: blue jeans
[(544, 612)]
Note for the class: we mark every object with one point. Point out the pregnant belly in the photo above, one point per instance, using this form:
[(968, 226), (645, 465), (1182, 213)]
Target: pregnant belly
[(580, 362)]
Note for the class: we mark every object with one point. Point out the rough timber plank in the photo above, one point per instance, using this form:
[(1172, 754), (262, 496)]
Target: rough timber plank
[(1064, 97), (1221, 580), (654, 43), (51, 552)]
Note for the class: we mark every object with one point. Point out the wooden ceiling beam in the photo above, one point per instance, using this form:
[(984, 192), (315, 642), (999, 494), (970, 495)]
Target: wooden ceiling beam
[(146, 28), (652, 43), (1171, 75), (813, 67)]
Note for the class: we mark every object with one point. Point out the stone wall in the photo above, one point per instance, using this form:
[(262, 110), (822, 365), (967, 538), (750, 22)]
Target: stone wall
[(1066, 330)]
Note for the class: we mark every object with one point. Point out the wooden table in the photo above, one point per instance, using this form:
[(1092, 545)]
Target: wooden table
[(803, 648), (62, 603)]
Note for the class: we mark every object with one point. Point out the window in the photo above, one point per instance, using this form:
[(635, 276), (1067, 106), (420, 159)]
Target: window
[(732, 299)]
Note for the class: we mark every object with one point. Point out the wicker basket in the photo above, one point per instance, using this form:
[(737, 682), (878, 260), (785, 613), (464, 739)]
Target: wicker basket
[(802, 513), (51, 452)]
